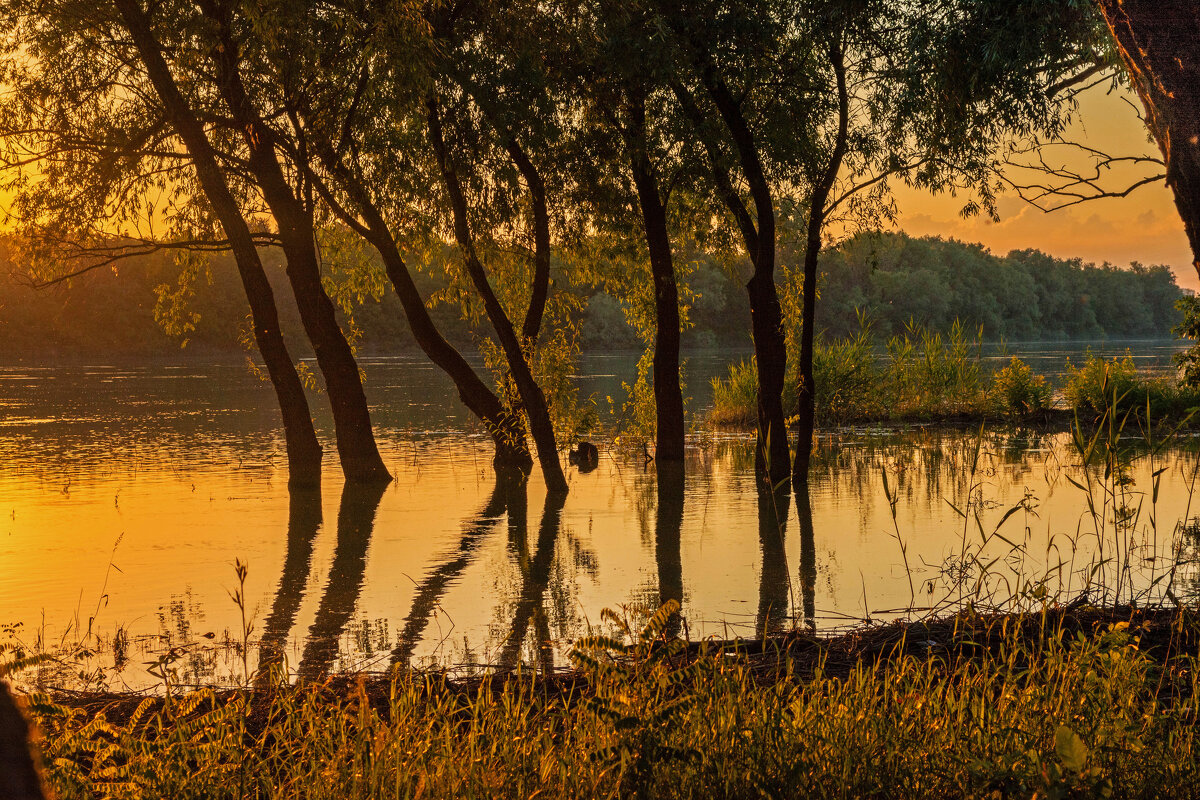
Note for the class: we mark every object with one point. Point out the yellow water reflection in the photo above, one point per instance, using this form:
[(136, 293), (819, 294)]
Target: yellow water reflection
[(454, 566)]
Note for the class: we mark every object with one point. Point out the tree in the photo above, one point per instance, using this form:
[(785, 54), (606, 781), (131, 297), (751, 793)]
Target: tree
[(293, 208), (1156, 40), (99, 145), (619, 75)]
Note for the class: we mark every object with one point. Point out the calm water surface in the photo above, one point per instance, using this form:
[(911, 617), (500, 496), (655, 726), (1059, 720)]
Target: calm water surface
[(126, 494)]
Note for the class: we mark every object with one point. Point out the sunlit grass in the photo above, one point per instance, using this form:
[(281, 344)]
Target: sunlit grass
[(989, 708)]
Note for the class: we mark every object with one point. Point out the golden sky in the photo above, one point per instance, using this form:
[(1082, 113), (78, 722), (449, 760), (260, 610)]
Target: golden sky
[(1142, 227)]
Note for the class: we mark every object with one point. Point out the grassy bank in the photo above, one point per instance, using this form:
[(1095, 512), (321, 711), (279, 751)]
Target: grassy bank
[(923, 376), (1076, 703)]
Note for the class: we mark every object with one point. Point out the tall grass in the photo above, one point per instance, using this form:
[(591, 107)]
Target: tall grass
[(991, 710), (922, 375), (919, 374)]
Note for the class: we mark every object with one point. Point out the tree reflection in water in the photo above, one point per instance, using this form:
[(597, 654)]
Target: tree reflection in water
[(535, 579), (356, 519), (774, 586), (507, 490), (668, 524), (304, 521)]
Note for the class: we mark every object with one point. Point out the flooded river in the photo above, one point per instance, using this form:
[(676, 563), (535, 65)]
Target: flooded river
[(127, 495)]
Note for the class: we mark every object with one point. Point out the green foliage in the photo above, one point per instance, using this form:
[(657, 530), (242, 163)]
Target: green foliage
[(1017, 392), (1188, 361), (1114, 385), (919, 375), (894, 279), (848, 380)]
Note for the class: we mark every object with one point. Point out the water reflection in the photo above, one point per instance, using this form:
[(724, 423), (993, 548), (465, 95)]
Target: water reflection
[(304, 521), (535, 580), (356, 519), (433, 587), (808, 555), (668, 526), (774, 584), (185, 494)]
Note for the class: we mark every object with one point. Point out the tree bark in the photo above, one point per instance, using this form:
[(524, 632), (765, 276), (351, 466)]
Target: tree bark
[(303, 449), (357, 450), (532, 396), (766, 316), (668, 394), (1157, 40), (806, 386), (532, 327)]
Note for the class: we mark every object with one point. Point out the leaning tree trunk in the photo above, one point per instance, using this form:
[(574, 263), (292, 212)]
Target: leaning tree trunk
[(668, 393), (356, 445), (506, 427), (1158, 40), (532, 396), (303, 450)]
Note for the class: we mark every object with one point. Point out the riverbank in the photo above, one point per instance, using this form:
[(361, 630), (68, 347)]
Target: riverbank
[(1075, 702)]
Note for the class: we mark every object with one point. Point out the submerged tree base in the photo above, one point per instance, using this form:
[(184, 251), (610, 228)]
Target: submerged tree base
[(1065, 702)]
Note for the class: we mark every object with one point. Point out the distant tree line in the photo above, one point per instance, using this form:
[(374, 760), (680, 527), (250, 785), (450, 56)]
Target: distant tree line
[(889, 280), (892, 279)]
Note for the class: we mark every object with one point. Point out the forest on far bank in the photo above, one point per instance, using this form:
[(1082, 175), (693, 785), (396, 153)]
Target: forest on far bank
[(150, 307)]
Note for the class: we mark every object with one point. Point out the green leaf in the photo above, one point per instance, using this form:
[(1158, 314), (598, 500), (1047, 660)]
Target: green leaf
[(1070, 748)]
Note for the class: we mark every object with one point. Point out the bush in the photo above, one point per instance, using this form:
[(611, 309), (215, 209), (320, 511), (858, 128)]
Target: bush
[(1115, 385), (1016, 391)]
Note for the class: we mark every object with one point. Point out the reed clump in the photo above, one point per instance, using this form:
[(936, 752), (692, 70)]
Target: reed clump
[(925, 376)]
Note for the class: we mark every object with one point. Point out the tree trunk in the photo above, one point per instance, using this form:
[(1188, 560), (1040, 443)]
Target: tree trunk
[(532, 396), (506, 428), (1157, 40), (806, 387), (532, 327), (668, 394), (303, 450), (773, 459), (357, 450)]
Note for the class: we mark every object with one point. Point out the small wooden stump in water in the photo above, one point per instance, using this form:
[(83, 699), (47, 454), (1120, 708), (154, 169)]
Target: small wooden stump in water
[(19, 776)]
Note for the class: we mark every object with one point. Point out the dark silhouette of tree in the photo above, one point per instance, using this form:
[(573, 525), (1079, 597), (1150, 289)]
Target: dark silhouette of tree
[(1156, 40)]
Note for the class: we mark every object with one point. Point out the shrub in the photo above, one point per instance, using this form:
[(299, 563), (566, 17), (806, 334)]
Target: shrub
[(1016, 391), (1115, 385)]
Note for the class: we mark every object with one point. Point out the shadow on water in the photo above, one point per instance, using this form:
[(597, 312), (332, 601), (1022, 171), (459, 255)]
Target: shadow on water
[(356, 519), (535, 579), (774, 586), (668, 524), (304, 521), (433, 587)]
